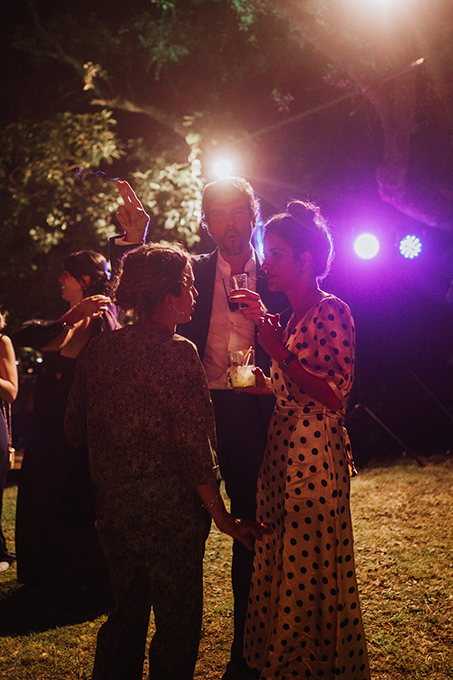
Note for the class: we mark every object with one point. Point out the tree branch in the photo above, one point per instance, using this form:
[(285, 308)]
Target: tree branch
[(395, 106), (59, 53), (156, 114)]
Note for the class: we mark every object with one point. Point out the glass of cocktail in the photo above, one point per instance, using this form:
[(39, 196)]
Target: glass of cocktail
[(240, 367)]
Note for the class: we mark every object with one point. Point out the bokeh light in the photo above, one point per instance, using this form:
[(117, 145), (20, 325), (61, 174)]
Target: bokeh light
[(223, 168), (366, 246), (410, 247)]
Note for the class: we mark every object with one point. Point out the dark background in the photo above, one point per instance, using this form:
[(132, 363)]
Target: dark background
[(402, 308)]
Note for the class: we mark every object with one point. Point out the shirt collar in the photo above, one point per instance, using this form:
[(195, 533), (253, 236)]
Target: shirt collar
[(225, 268)]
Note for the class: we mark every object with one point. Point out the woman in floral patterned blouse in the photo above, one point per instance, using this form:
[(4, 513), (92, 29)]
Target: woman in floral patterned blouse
[(141, 401)]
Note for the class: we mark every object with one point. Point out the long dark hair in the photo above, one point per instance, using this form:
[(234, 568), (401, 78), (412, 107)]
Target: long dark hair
[(92, 264)]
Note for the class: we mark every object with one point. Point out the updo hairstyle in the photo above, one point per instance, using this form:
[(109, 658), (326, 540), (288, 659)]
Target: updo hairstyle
[(92, 264), (303, 228), (146, 276)]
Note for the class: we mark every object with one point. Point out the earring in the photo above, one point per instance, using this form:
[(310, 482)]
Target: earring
[(178, 313)]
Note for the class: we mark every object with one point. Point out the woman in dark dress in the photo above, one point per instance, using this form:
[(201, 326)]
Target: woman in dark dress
[(140, 399), (56, 541), (8, 392)]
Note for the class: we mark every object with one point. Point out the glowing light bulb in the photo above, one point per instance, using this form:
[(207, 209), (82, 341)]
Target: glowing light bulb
[(366, 246), (410, 247)]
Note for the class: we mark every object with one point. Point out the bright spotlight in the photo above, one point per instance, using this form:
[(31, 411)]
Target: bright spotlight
[(366, 246), (410, 246), (223, 168)]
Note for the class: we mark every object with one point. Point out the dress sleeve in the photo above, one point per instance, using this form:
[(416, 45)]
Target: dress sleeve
[(195, 427), (334, 336)]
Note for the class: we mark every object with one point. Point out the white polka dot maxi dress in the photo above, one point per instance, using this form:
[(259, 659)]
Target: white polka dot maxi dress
[(304, 619)]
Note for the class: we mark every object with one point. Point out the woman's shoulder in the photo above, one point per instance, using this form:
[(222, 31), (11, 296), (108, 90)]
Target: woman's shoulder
[(334, 316), (5, 344), (104, 341), (134, 335), (331, 304), (182, 344)]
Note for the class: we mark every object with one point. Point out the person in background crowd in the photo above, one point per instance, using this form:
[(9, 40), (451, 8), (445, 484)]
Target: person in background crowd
[(304, 617), (56, 541), (230, 211), (8, 392), (141, 402)]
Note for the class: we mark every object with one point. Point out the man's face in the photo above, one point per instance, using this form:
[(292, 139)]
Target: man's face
[(230, 224)]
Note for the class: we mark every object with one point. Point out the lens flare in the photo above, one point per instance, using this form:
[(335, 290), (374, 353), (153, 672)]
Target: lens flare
[(223, 168)]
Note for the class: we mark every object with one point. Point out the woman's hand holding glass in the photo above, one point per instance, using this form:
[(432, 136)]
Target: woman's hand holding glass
[(254, 308), (263, 384)]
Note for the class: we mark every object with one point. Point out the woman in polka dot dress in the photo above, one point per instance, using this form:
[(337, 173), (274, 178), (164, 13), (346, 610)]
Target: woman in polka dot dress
[(304, 617)]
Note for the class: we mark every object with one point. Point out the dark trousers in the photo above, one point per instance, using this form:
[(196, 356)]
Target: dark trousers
[(242, 421), (168, 576)]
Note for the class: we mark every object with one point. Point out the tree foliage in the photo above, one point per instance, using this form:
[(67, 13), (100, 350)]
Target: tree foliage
[(52, 203), (240, 69), (42, 178), (171, 193), (312, 94), (55, 200)]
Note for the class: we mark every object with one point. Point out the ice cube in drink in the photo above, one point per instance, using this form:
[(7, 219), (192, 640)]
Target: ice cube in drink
[(242, 376)]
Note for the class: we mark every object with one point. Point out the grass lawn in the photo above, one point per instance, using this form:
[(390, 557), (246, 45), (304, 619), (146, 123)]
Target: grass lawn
[(404, 554)]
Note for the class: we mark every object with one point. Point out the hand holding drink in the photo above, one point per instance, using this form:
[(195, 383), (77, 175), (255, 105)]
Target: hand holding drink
[(232, 284), (240, 368)]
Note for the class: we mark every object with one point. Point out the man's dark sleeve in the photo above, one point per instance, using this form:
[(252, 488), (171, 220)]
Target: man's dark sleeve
[(117, 252)]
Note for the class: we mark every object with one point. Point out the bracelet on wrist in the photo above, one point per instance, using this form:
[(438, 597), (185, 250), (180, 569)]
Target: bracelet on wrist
[(283, 365), (215, 501)]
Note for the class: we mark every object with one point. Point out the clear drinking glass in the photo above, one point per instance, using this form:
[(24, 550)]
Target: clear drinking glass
[(232, 283), (240, 367)]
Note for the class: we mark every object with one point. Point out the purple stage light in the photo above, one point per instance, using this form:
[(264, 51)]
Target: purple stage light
[(410, 246), (366, 246)]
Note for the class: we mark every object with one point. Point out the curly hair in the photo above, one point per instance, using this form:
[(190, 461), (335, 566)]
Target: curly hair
[(216, 191), (146, 275), (92, 264), (303, 228)]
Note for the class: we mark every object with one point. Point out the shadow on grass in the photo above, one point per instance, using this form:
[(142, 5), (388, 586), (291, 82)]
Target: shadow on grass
[(24, 609)]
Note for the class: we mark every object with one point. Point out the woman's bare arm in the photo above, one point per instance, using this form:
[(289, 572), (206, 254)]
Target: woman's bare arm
[(9, 382)]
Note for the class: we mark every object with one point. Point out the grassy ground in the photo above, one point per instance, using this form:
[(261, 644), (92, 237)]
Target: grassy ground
[(404, 550)]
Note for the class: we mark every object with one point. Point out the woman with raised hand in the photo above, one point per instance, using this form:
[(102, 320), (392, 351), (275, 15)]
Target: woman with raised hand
[(56, 541), (141, 402), (304, 618)]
